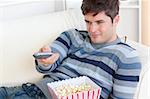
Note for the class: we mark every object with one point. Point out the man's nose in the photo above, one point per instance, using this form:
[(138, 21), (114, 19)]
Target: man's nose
[(93, 28)]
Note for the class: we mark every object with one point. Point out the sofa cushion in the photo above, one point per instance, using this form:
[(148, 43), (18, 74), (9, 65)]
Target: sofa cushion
[(23, 37)]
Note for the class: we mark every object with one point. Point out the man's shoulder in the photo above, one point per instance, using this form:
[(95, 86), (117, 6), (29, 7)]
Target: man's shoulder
[(84, 32), (123, 49), (76, 32), (126, 46), (127, 50)]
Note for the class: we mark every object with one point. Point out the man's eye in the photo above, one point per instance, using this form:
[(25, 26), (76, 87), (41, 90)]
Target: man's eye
[(87, 21), (100, 22)]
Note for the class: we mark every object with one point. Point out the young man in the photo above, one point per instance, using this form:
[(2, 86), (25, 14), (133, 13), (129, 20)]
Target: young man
[(97, 53)]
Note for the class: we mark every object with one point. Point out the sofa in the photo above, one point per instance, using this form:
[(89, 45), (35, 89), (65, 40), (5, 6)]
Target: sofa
[(22, 37)]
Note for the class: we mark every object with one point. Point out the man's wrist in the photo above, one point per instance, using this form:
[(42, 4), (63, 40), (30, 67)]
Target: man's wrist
[(42, 66)]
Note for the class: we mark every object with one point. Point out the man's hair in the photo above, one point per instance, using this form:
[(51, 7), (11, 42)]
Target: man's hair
[(110, 7)]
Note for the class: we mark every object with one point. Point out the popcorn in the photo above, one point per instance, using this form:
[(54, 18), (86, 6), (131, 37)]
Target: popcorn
[(68, 89), (75, 88)]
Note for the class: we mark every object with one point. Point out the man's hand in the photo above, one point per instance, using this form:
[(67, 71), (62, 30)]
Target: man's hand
[(49, 60)]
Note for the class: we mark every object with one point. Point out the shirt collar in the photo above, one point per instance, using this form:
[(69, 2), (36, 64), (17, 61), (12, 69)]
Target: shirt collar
[(97, 46)]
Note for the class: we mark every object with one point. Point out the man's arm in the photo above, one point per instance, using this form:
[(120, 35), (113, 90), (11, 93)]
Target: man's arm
[(60, 49), (127, 76)]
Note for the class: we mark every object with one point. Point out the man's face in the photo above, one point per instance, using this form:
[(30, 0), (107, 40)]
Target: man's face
[(100, 27)]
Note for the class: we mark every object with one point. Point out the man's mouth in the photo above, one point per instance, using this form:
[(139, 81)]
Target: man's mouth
[(95, 34)]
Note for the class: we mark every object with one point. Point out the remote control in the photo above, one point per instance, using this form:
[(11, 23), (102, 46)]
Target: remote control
[(42, 55)]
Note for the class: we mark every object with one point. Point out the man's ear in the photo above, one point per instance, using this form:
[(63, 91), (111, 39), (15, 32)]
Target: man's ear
[(116, 19)]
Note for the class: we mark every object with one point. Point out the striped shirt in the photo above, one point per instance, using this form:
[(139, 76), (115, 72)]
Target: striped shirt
[(114, 66)]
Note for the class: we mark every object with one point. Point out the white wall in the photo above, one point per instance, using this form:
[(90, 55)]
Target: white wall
[(70, 4), (128, 24), (1, 50), (18, 9)]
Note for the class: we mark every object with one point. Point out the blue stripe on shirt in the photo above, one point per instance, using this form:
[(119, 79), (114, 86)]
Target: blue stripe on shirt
[(117, 60), (95, 63), (127, 78), (62, 41)]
